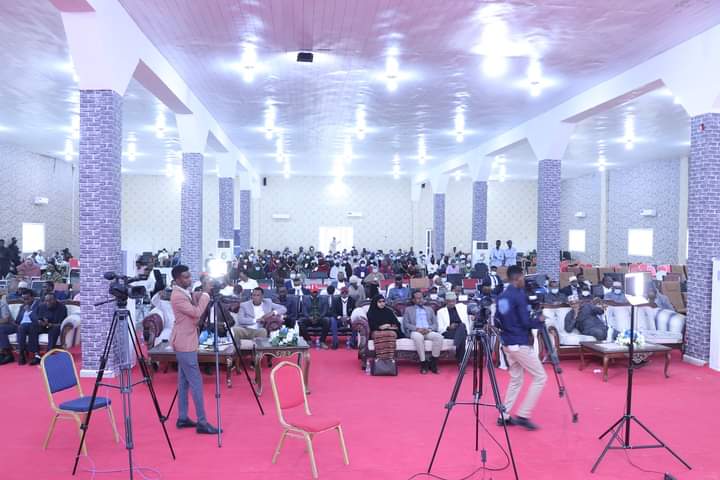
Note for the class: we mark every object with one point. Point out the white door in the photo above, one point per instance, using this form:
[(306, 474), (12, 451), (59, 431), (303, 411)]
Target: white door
[(343, 238)]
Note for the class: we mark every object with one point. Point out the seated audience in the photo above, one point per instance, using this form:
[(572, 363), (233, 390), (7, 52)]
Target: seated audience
[(658, 299), (372, 282), (40, 260), (27, 325), (246, 282), (316, 313), (554, 295), (586, 317), (28, 269), (341, 310), (442, 287), (397, 292), (453, 321), (292, 304), (51, 314), (384, 327), (49, 289), (420, 322), (453, 268), (253, 314), (573, 289), (357, 291), (607, 286), (616, 295), (341, 280), (7, 328), (298, 289), (52, 275)]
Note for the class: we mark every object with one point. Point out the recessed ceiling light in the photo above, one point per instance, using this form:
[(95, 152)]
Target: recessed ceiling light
[(422, 150), (494, 66), (459, 124), (248, 62)]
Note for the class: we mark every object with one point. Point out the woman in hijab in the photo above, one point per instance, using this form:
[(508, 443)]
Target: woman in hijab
[(384, 328)]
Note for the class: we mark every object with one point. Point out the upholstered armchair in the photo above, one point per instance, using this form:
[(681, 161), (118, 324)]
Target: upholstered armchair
[(69, 328)]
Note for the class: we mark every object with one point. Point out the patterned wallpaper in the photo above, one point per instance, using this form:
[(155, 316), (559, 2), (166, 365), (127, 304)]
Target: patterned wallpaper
[(27, 175), (423, 217), (311, 202), (581, 194), (458, 214), (652, 185)]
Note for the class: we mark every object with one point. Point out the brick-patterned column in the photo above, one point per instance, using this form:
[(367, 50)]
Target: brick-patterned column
[(479, 212), (100, 216), (548, 218), (438, 224), (703, 228), (227, 207), (242, 239), (191, 212)]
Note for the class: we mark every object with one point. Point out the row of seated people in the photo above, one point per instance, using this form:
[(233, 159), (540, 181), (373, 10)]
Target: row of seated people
[(35, 316)]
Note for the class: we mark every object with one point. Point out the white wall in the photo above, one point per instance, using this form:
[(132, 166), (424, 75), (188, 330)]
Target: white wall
[(384, 203), (512, 213), (422, 217), (458, 215)]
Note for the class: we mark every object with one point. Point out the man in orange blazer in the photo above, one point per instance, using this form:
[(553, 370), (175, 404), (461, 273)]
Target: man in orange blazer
[(188, 307)]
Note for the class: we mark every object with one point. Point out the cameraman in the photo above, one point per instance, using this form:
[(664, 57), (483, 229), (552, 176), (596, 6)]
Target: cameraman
[(514, 316), (188, 308)]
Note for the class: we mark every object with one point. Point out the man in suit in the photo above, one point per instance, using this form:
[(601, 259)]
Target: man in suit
[(573, 289), (254, 314), (51, 314), (341, 310), (454, 323), (28, 328), (315, 313), (420, 322), (188, 308), (291, 304)]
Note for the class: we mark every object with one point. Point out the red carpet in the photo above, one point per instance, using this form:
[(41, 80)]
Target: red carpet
[(390, 424)]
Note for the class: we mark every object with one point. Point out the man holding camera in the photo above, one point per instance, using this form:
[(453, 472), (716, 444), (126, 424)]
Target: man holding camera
[(514, 315), (188, 308)]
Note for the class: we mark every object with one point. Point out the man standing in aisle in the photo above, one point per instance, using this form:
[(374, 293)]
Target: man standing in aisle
[(497, 255), (513, 313), (188, 308), (509, 255)]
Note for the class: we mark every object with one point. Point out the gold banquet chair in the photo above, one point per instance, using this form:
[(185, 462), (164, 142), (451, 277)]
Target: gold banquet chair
[(288, 389), (60, 374)]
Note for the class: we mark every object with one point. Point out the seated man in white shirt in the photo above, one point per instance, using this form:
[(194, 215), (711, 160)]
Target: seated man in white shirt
[(453, 322), (248, 284), (253, 314)]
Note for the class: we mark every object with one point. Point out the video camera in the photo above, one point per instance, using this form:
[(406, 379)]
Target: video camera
[(482, 312), (534, 293), (120, 287)]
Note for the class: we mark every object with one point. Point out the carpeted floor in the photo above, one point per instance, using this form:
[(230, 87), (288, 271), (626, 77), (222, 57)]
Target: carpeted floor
[(391, 425)]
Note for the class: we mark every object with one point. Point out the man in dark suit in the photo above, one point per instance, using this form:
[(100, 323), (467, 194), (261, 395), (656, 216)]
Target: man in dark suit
[(492, 280), (292, 304), (28, 328), (341, 309), (315, 313)]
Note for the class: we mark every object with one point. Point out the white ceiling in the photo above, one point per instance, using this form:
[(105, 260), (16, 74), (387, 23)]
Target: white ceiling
[(579, 44)]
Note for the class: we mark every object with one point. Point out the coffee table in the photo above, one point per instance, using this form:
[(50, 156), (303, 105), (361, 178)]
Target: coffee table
[(165, 353), (263, 348), (611, 350)]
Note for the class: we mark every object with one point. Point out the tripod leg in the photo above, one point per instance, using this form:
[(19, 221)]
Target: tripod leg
[(616, 434), (101, 371), (611, 427), (662, 444)]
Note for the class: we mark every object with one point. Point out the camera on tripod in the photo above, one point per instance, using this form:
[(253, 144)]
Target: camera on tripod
[(121, 289), (483, 312)]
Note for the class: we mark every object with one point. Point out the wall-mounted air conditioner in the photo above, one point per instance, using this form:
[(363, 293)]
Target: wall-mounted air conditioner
[(648, 212), (580, 214), (354, 214), (281, 216), (41, 201)]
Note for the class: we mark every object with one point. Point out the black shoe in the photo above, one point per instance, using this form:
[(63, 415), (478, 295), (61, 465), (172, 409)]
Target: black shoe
[(507, 421), (335, 346), (185, 423), (323, 345), (433, 365), (21, 358), (35, 360), (206, 428), (525, 422), (6, 359), (423, 367)]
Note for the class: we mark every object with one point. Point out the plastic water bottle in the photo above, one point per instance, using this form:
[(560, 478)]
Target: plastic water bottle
[(367, 367)]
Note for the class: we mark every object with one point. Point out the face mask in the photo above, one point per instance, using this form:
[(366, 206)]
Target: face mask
[(554, 290), (493, 273), (433, 296), (617, 291), (585, 293)]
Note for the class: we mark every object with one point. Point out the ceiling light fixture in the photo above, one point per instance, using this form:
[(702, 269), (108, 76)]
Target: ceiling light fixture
[(534, 74), (160, 125), (347, 151), (131, 151), (392, 72), (248, 62), (396, 171), (360, 122), (422, 150), (286, 170), (629, 132), (459, 124), (270, 115)]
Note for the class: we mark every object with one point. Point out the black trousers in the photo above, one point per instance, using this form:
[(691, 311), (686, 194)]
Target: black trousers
[(53, 331), (322, 324), (27, 337), (458, 335), (6, 329)]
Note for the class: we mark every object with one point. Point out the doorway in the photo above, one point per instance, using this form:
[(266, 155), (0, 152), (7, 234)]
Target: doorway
[(343, 238)]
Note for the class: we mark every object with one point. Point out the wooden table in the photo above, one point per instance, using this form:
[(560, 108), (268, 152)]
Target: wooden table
[(611, 350), (264, 348), (163, 352)]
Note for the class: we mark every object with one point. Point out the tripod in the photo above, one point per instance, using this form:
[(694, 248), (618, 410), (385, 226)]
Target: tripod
[(477, 347), (122, 317), (626, 420), (557, 369), (212, 314)]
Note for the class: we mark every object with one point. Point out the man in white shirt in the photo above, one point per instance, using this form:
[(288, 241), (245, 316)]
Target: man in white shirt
[(497, 255), (247, 283), (509, 255)]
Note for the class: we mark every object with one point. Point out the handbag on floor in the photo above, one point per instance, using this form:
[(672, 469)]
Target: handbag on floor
[(382, 367)]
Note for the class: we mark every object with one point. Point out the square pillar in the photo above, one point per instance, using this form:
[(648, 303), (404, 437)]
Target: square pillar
[(479, 211), (548, 220), (191, 212), (100, 162), (703, 228), (242, 237), (438, 224), (227, 207)]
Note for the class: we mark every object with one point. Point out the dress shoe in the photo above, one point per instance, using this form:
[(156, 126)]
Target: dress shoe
[(35, 360), (21, 358), (7, 358), (423, 367), (433, 365), (525, 422), (507, 421), (206, 428), (334, 346), (185, 423), (323, 345)]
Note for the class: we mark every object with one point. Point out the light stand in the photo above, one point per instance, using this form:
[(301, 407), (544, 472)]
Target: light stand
[(477, 346), (122, 317), (626, 420)]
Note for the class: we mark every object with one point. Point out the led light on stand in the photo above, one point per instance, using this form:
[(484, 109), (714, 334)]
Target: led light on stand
[(286, 170)]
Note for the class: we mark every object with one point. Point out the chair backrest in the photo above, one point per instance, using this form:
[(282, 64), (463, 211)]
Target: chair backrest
[(74, 263), (59, 371), (288, 387), (419, 283), (470, 283)]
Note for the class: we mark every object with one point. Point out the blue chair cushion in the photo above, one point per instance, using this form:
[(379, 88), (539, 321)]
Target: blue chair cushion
[(81, 404)]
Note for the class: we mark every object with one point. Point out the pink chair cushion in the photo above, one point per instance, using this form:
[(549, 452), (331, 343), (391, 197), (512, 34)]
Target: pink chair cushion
[(290, 387), (312, 423)]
